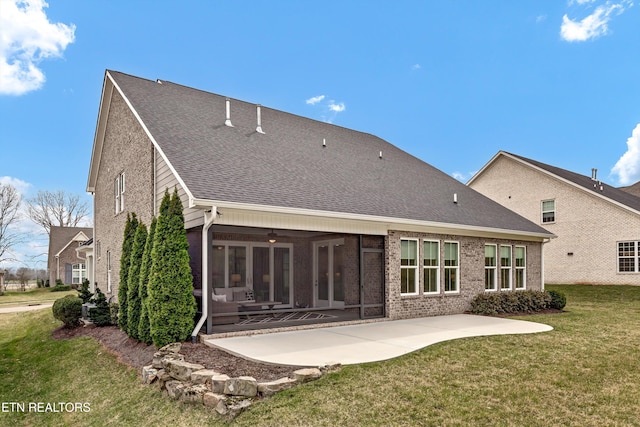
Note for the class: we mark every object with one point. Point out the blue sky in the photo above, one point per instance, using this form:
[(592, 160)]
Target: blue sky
[(451, 82)]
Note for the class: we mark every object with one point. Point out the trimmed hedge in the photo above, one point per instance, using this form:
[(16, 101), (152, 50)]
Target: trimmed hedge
[(60, 288), (68, 310), (513, 302), (100, 315)]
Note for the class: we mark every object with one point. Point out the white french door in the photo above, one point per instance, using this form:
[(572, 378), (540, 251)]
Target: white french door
[(328, 273), (265, 268)]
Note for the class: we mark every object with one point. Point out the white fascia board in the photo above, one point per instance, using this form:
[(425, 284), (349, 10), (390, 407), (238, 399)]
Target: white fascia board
[(486, 166), (390, 223), (150, 136)]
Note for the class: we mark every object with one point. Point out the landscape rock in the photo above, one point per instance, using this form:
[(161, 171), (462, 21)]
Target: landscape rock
[(210, 400), (203, 376), (163, 377), (181, 370), (193, 394), (171, 348), (331, 367), (218, 382), (149, 374), (272, 387), (160, 360), (175, 389), (307, 374), (241, 386), (236, 408)]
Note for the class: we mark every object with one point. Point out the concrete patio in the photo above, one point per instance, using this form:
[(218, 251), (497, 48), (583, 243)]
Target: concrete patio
[(369, 342)]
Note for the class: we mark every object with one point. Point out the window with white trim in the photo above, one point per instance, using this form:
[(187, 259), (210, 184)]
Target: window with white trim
[(431, 266), (548, 211), (451, 266), (629, 257), (118, 188), (505, 267), (78, 273), (408, 267), (520, 257), (490, 267)]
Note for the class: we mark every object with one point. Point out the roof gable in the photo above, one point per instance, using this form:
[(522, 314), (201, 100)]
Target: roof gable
[(298, 162), (585, 183), (61, 237)]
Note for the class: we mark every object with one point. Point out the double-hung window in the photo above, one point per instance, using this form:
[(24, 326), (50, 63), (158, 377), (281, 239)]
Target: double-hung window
[(431, 267), (520, 256), (118, 190), (629, 257), (409, 267), (78, 273), (548, 211), (490, 267), (505, 267), (451, 266)]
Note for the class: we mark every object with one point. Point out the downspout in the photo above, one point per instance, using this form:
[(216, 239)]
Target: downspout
[(544, 242), (209, 218)]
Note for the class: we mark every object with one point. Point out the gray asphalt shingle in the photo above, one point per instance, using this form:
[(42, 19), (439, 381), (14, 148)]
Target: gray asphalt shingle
[(288, 166)]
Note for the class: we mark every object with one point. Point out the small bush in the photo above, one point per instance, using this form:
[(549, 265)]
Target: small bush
[(558, 300), (114, 309), (100, 315), (68, 310), (84, 293), (60, 288), (510, 302)]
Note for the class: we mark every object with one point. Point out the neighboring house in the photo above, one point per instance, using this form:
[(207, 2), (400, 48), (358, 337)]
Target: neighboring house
[(296, 217), (632, 189), (598, 226), (65, 262)]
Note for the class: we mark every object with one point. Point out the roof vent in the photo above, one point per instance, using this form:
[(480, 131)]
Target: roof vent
[(259, 119), (455, 198), (159, 81), (227, 122), (324, 142), (380, 155), (594, 174)]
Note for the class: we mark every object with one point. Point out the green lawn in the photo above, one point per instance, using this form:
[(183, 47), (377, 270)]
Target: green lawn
[(32, 296), (584, 373)]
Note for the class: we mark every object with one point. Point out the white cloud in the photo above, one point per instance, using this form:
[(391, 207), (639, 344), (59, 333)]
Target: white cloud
[(416, 67), (628, 166), (464, 177), (541, 18), (21, 186), (594, 25), (27, 37), (336, 108), (314, 100), (580, 1)]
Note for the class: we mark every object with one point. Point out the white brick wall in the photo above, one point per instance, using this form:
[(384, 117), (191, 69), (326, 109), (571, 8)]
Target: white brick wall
[(586, 225)]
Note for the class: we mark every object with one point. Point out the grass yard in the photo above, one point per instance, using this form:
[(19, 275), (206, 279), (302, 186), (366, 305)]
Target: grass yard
[(32, 296), (584, 373)]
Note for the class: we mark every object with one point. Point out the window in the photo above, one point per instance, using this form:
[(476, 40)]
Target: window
[(408, 267), (451, 266), (78, 273), (505, 267), (628, 257), (548, 211), (490, 267), (431, 267), (118, 188), (98, 249), (521, 267)]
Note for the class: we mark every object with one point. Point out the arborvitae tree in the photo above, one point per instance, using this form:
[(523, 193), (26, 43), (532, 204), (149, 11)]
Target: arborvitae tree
[(100, 315), (171, 303), (133, 297), (144, 333), (125, 260)]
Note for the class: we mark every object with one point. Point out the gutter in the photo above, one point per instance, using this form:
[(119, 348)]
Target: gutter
[(209, 219)]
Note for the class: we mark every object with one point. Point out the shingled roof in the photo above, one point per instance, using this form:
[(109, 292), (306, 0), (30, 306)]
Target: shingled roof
[(586, 182), (299, 162)]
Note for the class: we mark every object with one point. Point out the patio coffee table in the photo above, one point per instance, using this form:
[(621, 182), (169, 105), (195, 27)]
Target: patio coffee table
[(259, 305)]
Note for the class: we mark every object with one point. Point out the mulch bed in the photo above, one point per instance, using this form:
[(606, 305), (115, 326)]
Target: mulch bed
[(136, 354)]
